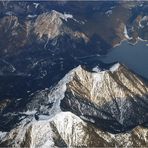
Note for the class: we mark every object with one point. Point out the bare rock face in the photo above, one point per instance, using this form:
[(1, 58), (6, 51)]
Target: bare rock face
[(114, 99), (105, 108), (48, 24), (17, 34), (51, 25), (67, 129)]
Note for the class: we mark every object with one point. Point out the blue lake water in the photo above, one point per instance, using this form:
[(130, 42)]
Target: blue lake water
[(133, 56)]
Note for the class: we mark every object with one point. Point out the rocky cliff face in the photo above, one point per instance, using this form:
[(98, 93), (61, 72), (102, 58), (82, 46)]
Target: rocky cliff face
[(40, 42), (23, 21), (112, 95), (106, 108), (44, 27), (67, 129)]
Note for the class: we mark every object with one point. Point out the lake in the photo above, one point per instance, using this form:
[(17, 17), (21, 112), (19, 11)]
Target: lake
[(133, 56)]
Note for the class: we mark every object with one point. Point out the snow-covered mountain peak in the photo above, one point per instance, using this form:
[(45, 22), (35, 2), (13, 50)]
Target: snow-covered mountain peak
[(105, 99), (68, 130), (115, 67)]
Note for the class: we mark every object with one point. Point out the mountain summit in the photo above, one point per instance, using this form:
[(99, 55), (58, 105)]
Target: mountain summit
[(47, 99), (114, 100)]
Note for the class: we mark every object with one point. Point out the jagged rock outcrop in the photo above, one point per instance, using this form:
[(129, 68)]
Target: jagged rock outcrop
[(43, 29), (100, 104), (39, 45), (67, 129), (114, 99), (49, 24)]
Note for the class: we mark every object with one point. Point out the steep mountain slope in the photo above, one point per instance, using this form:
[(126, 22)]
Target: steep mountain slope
[(107, 105), (67, 129), (114, 97), (108, 98), (40, 41), (22, 21)]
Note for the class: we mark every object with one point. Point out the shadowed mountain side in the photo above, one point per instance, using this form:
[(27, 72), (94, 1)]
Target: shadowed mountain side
[(114, 99), (67, 129), (108, 117)]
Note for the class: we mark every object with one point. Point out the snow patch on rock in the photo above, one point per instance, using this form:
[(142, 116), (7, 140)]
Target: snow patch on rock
[(30, 112), (96, 69), (114, 67), (58, 93), (2, 134), (68, 16), (109, 12), (31, 16), (126, 33), (36, 5)]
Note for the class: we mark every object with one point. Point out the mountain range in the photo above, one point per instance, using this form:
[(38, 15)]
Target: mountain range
[(51, 94), (86, 108)]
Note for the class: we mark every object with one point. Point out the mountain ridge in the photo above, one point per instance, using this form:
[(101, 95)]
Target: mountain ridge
[(59, 131), (55, 91), (79, 96)]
